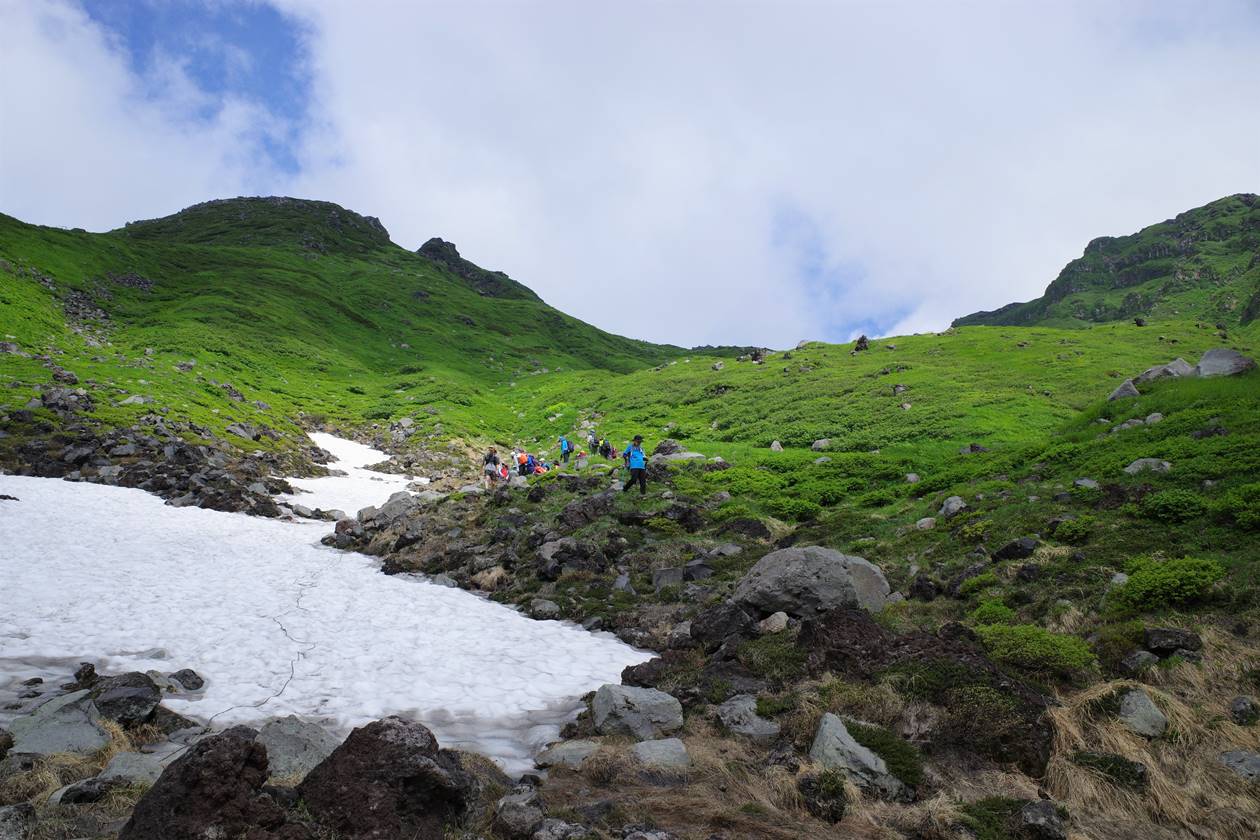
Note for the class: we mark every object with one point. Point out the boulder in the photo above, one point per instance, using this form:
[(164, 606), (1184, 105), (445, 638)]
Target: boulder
[(213, 790), (912, 478), (739, 715), (553, 829), (773, 623), (127, 698), (821, 444), (1126, 389), (1140, 714), (138, 768), (389, 779), (927, 523), (69, 723), (1017, 549), (717, 623), (1137, 662), (85, 792), (1243, 762), (295, 746), (668, 446), (1041, 821), (804, 582), (1244, 710), (519, 813), (1085, 484), (835, 749), (1148, 464), (569, 754), (189, 679), (644, 713), (543, 609), (664, 754), (775, 446), (1166, 641), (952, 506), (1177, 367), (1221, 361)]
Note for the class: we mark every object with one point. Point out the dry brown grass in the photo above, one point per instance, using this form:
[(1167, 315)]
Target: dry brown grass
[(878, 703), (1189, 790)]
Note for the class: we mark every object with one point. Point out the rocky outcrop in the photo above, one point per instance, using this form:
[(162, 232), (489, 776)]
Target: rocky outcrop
[(214, 790), (805, 582), (834, 748), (69, 723), (1221, 361), (389, 779), (295, 746)]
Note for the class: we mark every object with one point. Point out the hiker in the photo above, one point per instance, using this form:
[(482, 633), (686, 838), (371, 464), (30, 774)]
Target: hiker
[(565, 449), (531, 465), (637, 462), (489, 468), (605, 449), (522, 463), (592, 442)]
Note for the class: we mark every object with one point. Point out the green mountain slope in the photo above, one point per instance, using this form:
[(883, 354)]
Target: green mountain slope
[(300, 304), (1202, 265)]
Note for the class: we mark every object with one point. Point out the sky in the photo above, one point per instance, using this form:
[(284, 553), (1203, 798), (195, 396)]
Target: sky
[(687, 171)]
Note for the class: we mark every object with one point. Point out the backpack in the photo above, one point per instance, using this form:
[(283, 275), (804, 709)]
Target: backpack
[(520, 458)]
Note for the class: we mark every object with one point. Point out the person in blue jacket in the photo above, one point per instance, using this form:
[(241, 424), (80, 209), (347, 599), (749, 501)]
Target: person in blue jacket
[(565, 449), (637, 463)]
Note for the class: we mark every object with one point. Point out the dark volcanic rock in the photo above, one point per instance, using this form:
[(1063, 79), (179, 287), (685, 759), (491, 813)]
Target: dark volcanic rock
[(214, 790), (1168, 640), (713, 626), (389, 779), (1017, 549), (127, 698)]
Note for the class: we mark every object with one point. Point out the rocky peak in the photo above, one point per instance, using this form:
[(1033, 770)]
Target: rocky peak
[(494, 284)]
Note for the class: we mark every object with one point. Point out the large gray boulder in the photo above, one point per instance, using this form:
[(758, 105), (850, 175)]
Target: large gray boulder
[(644, 713), (138, 768), (1140, 714), (835, 749), (1221, 361), (295, 746), (739, 715), (952, 506), (1177, 367), (518, 813), (127, 698), (69, 723), (804, 582)]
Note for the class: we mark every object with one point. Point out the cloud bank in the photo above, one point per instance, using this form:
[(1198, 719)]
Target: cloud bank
[(698, 172)]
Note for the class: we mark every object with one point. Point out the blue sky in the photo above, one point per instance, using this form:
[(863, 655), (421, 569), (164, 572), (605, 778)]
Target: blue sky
[(242, 49), (690, 171)]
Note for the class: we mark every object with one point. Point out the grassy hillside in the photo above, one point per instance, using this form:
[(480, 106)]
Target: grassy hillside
[(1202, 265), (302, 305)]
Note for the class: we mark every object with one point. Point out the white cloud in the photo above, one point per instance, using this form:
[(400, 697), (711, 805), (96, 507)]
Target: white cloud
[(715, 172), (85, 143)]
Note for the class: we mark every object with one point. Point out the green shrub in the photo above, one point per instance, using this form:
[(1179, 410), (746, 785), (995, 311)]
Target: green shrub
[(1173, 506), (977, 583), (774, 656), (1116, 641), (1153, 585), (1242, 505), (770, 705), (934, 679), (903, 760), (1075, 531), (974, 532), (796, 510), (879, 498), (1035, 649), (993, 611), (993, 818), (1115, 768)]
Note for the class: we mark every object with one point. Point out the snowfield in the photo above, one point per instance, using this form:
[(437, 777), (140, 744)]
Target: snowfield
[(354, 491), (278, 624)]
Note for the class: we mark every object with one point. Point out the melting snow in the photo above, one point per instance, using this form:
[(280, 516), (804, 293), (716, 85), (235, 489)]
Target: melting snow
[(276, 623), (354, 491)]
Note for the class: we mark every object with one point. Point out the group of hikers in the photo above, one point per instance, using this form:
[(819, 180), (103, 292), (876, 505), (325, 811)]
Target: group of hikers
[(495, 468)]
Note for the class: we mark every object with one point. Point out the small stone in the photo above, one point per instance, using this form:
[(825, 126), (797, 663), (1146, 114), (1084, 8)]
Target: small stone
[(1166, 641), (570, 754), (774, 623), (543, 609), (927, 523), (1140, 714), (668, 754), (189, 679), (1148, 464), (1041, 820), (1085, 483), (1126, 389), (1244, 711), (952, 506), (1243, 762), (1137, 662), (739, 715), (912, 478), (520, 812)]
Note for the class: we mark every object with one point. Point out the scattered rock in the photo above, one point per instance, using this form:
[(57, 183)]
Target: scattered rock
[(69, 723), (127, 698), (1166, 641), (835, 748), (553, 829), (17, 822), (1221, 361), (823, 798), (952, 506), (912, 478), (1177, 367), (519, 813), (1126, 389), (85, 792), (1137, 662), (644, 713), (543, 609), (295, 746), (138, 768), (1140, 714), (1017, 549), (821, 444), (1145, 464), (664, 754), (1041, 820), (213, 790), (1085, 483), (568, 754), (1243, 762), (773, 623), (807, 581), (739, 715), (389, 779), (189, 679), (927, 523), (1244, 711), (775, 446)]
